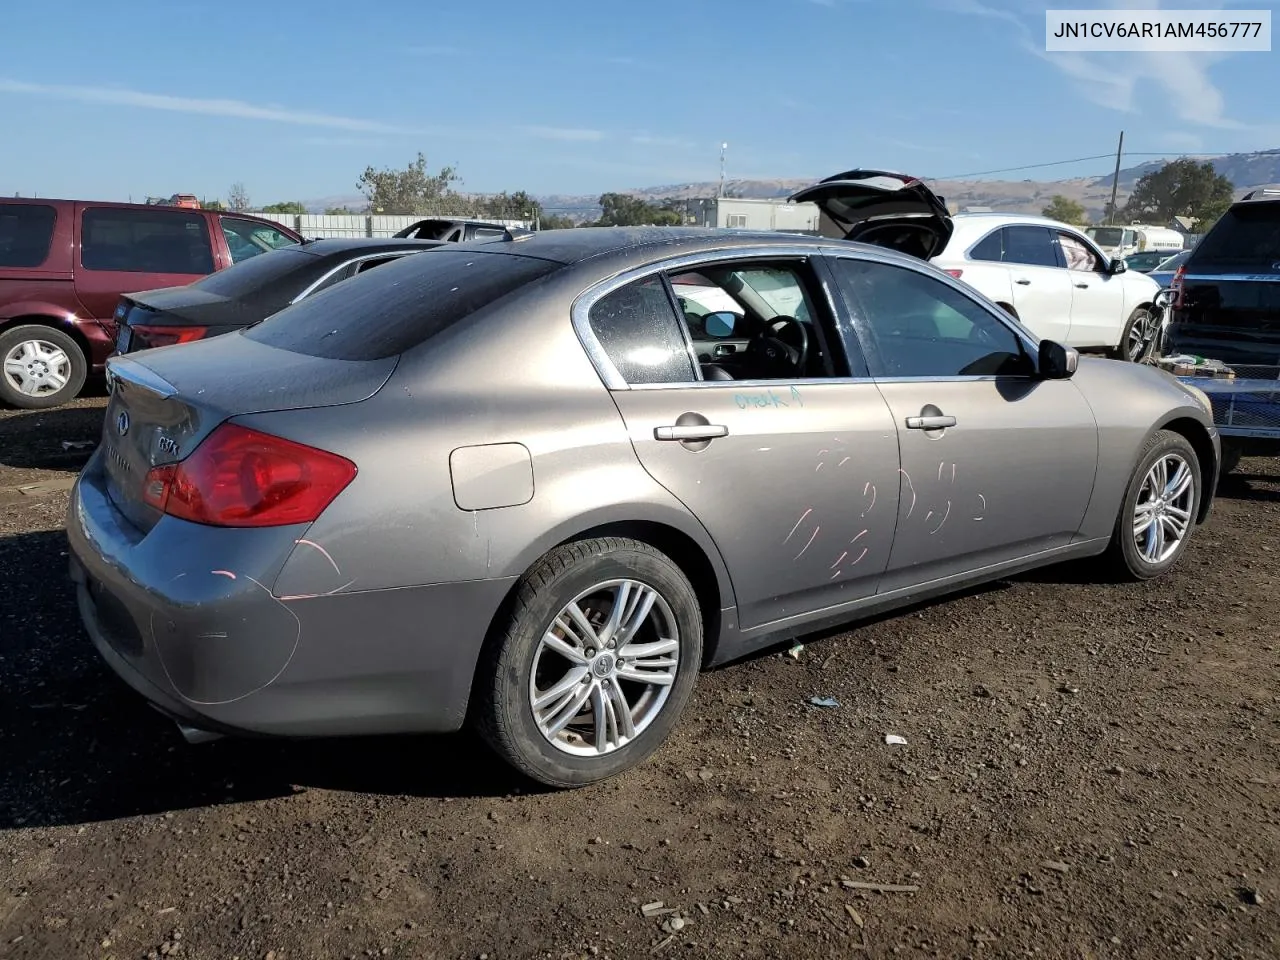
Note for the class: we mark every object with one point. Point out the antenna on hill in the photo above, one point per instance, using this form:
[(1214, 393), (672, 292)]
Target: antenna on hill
[(1115, 181), (723, 147)]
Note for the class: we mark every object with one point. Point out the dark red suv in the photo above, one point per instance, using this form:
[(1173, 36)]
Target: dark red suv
[(65, 263)]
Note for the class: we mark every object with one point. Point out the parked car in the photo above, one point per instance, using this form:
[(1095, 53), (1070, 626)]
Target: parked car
[(1164, 271), (1055, 281), (250, 291), (456, 231), (1226, 307), (65, 263), (1148, 260), (506, 484)]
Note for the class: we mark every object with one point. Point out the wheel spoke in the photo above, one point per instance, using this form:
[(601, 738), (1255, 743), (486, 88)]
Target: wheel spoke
[(601, 712), (640, 608), (642, 651), (622, 712), (558, 692), (1176, 528), (1179, 483), (15, 366), (574, 707), (30, 387), (584, 631), (562, 645), (56, 380), (636, 673), (30, 351)]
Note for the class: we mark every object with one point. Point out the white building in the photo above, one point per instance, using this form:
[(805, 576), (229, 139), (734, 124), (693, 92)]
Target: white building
[(732, 213)]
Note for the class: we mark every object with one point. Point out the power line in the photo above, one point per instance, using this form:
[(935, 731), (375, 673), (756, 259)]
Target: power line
[(1101, 156)]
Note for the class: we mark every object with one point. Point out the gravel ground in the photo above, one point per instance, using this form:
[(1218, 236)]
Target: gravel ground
[(1089, 772)]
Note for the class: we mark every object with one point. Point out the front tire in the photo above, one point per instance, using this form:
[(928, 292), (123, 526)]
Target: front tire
[(596, 664), (1159, 509), (40, 367)]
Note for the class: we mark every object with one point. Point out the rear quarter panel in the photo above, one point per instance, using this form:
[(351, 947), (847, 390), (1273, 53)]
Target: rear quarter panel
[(1130, 402)]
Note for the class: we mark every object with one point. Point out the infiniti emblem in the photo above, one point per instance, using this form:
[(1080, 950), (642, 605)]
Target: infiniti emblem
[(122, 422)]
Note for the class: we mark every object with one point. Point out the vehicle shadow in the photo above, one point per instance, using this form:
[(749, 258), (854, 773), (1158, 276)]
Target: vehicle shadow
[(58, 439), (81, 747), (1249, 486)]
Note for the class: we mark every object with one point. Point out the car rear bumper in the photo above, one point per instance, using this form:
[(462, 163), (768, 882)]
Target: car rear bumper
[(208, 644)]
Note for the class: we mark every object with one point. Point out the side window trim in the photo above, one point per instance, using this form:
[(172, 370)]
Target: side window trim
[(345, 265), (867, 338)]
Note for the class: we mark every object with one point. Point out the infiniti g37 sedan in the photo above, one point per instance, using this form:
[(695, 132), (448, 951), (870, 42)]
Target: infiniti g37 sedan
[(516, 485)]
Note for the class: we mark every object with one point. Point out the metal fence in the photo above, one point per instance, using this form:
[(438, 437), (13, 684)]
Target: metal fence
[(362, 225)]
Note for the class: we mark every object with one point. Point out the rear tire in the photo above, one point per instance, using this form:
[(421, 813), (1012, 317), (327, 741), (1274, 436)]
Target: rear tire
[(559, 695), (1159, 509), (1138, 336), (40, 367)]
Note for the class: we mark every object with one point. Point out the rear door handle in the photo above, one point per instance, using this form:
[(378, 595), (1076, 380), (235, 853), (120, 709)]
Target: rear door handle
[(1082, 286), (693, 431), (1023, 282), (930, 423)]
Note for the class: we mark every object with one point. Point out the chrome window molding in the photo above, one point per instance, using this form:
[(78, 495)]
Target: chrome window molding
[(381, 255)]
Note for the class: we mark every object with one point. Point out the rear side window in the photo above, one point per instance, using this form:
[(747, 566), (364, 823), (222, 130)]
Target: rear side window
[(26, 233), (142, 241), (990, 248), (638, 329), (398, 306), (1248, 234), (1030, 245)]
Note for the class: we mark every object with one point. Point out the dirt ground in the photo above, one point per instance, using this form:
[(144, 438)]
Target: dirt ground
[(1090, 771)]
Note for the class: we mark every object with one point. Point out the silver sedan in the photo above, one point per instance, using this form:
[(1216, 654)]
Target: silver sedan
[(537, 485)]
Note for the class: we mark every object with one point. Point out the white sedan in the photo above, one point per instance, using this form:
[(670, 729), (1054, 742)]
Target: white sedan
[(1054, 280)]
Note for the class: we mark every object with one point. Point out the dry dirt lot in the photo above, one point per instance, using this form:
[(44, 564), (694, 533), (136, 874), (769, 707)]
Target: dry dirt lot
[(1090, 771)]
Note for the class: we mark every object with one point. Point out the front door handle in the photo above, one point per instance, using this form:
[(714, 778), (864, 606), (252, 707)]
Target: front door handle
[(930, 423), (686, 433), (1082, 286), (1024, 282)]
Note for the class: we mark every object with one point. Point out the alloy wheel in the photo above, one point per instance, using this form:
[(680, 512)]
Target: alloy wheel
[(1141, 333), (604, 668), (1162, 514)]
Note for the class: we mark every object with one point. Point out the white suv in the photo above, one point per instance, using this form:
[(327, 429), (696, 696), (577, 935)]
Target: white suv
[(1055, 280)]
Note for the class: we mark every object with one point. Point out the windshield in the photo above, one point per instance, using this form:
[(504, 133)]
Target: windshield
[(1246, 234), (1106, 236)]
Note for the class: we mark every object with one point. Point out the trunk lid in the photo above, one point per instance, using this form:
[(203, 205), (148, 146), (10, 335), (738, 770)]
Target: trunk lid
[(166, 401), (883, 208)]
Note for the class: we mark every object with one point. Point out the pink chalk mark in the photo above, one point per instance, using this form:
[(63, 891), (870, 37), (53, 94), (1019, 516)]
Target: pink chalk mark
[(940, 466), (839, 560), (223, 573), (912, 508), (860, 556), (798, 522), (312, 543), (817, 468), (858, 537), (872, 504), (844, 461), (810, 543), (984, 508), (822, 451), (953, 473), (836, 574)]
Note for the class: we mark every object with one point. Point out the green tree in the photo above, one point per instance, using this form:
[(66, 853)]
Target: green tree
[(555, 221), (212, 205), (1182, 188), (413, 190), (509, 206), (625, 210), (288, 206), (339, 212), (1065, 210)]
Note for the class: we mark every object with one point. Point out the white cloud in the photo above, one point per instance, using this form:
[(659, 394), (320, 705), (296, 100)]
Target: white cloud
[(121, 97), (564, 133)]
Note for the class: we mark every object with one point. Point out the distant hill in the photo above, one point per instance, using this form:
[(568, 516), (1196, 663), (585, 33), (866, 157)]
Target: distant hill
[(1245, 171)]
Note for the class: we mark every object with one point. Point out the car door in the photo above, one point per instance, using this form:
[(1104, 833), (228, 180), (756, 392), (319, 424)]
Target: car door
[(996, 464), (794, 476), (124, 249), (1097, 296), (1038, 282)]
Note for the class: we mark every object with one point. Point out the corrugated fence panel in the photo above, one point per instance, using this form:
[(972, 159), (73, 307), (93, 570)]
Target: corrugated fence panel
[(358, 225)]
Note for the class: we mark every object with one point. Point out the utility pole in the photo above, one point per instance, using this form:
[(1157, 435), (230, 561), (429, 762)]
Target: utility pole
[(1115, 181), (723, 147)]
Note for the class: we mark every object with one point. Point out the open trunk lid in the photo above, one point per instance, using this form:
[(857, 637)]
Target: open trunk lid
[(883, 208), (166, 401)]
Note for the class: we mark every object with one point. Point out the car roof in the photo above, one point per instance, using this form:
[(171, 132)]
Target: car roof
[(120, 205), (991, 220), (576, 244)]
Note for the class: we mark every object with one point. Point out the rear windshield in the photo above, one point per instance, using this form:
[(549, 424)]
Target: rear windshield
[(26, 232), (249, 276), (1246, 234), (387, 311)]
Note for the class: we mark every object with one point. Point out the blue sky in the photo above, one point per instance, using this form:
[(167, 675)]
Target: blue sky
[(112, 99)]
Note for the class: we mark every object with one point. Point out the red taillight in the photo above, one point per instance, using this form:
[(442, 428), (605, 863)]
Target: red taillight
[(1176, 285), (164, 336), (955, 273), (244, 478)]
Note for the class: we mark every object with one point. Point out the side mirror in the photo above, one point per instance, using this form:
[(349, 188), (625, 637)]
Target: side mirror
[(719, 324), (1118, 266), (1056, 362)]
